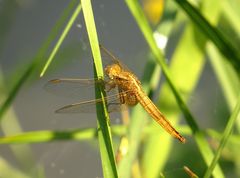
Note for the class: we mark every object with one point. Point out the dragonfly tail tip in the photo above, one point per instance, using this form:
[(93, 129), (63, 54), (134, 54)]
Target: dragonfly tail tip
[(182, 139)]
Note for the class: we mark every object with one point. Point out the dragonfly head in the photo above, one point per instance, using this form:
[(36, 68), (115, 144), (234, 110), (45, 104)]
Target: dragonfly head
[(113, 70)]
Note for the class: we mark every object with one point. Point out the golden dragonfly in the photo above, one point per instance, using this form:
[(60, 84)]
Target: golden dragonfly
[(129, 92)]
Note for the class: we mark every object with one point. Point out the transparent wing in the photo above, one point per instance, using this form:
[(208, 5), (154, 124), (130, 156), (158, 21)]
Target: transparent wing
[(113, 105), (109, 58), (72, 87)]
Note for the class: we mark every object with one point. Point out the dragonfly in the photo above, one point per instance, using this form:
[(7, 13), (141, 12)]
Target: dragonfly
[(129, 92)]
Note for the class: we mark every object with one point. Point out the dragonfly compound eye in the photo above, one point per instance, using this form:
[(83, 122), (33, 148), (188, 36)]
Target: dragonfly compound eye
[(112, 70)]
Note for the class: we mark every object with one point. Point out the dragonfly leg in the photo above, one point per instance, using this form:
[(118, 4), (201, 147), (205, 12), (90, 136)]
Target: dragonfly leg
[(122, 96), (110, 85), (128, 98)]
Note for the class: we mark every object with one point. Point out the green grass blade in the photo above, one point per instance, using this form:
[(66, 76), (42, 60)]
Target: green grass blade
[(233, 140), (223, 44), (90, 133), (8, 170), (227, 77), (13, 92), (197, 133), (22, 153), (226, 135), (232, 13), (36, 60), (153, 148), (104, 134), (62, 37), (49, 135)]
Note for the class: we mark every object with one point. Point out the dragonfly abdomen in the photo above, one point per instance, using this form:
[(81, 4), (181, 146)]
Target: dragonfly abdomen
[(150, 107)]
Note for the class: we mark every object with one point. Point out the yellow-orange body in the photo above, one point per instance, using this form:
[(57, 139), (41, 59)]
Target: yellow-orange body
[(132, 93)]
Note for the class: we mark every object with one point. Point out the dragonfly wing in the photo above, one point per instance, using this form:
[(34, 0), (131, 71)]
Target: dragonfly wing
[(72, 87), (112, 101), (81, 107), (109, 58)]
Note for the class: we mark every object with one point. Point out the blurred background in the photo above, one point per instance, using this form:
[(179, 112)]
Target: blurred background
[(24, 28)]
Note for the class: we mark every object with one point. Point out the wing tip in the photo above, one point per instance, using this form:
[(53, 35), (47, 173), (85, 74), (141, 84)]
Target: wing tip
[(54, 81), (63, 109), (57, 111)]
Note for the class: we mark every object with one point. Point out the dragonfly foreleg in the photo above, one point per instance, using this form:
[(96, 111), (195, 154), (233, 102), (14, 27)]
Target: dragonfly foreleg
[(128, 98), (109, 85)]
